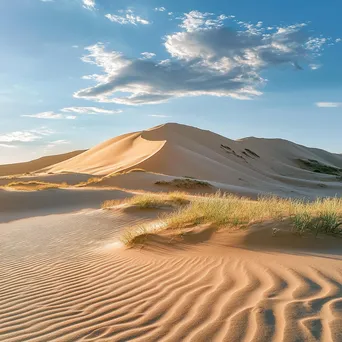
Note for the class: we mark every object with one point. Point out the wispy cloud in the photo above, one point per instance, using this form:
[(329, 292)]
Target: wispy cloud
[(160, 116), (148, 55), (50, 116), (160, 9), (206, 57), (127, 17), (25, 136), (90, 110), (55, 143), (328, 104), (89, 4)]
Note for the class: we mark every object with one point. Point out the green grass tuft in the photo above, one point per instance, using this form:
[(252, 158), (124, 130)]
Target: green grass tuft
[(222, 210), (185, 183)]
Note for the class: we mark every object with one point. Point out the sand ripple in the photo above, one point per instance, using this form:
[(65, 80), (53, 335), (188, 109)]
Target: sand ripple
[(85, 292)]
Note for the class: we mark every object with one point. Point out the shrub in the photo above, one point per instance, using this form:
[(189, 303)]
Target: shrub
[(185, 183)]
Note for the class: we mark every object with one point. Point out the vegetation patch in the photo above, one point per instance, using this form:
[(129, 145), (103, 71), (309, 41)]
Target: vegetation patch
[(36, 185), (221, 210), (316, 166), (90, 181), (252, 153), (147, 201), (185, 183)]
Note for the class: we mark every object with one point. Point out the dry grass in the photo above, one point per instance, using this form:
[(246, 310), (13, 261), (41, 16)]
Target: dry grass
[(222, 210), (90, 181), (148, 200), (36, 185), (96, 180), (185, 183)]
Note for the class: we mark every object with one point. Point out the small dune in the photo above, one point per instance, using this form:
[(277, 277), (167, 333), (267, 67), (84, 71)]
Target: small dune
[(35, 185)]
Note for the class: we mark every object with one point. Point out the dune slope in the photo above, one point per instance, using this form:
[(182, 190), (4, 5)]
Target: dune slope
[(263, 165), (34, 165)]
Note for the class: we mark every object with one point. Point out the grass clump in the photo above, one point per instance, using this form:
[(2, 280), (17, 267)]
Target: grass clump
[(224, 210), (315, 166), (324, 222), (90, 181), (134, 236), (148, 200), (185, 183), (229, 210), (36, 185)]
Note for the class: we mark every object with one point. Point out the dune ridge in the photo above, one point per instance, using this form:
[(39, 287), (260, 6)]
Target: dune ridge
[(249, 165)]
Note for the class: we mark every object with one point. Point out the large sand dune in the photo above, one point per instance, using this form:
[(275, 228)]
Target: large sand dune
[(65, 276), (250, 164)]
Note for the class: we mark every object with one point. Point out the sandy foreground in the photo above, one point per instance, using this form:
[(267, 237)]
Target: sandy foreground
[(65, 277)]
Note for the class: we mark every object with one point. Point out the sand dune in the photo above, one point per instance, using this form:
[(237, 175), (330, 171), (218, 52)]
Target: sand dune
[(250, 164), (63, 284), (34, 165), (65, 276)]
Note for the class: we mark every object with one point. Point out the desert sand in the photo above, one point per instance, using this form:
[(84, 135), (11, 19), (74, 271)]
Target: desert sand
[(65, 275)]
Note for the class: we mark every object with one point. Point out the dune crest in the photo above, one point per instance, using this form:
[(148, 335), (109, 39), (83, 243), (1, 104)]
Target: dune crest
[(260, 165)]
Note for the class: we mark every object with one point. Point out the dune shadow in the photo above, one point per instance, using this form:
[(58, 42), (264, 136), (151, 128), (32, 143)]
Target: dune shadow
[(15, 205)]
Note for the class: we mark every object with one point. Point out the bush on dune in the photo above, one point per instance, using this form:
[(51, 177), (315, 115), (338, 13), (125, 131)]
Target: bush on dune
[(221, 210)]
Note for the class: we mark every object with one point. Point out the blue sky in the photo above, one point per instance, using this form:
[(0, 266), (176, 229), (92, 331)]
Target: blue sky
[(74, 73)]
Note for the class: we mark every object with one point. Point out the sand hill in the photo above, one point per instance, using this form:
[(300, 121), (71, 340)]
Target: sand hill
[(34, 165), (65, 276), (265, 165)]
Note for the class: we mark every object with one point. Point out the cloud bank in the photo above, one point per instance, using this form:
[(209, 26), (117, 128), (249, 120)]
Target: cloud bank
[(206, 57)]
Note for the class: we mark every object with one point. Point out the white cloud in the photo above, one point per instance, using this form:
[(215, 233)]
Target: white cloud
[(315, 66), (328, 104), (160, 9), (89, 4), (25, 136), (75, 46), (160, 116), (127, 17), (338, 40), (57, 143), (206, 58), (90, 110), (50, 116), (47, 0), (148, 55)]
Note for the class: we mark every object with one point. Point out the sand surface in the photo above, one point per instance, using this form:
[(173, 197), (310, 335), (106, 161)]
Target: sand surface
[(64, 278)]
